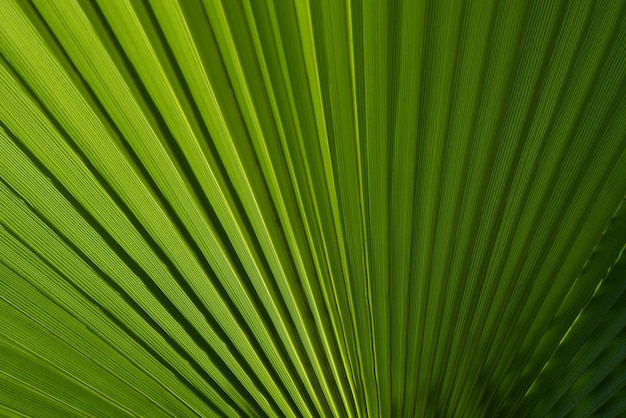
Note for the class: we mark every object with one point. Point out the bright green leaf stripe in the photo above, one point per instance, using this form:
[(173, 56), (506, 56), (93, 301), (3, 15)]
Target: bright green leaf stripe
[(286, 132), (314, 166), (312, 208), (263, 135)]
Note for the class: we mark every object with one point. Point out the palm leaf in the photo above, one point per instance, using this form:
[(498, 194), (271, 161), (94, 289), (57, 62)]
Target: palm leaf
[(312, 208)]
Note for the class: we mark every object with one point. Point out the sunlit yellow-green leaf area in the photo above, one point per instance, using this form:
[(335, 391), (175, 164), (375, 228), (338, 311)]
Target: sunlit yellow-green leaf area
[(313, 208)]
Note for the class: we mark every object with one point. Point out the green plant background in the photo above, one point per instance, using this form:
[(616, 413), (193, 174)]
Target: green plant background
[(339, 208)]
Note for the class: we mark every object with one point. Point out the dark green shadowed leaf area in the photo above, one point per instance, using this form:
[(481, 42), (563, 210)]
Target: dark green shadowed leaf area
[(312, 208)]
